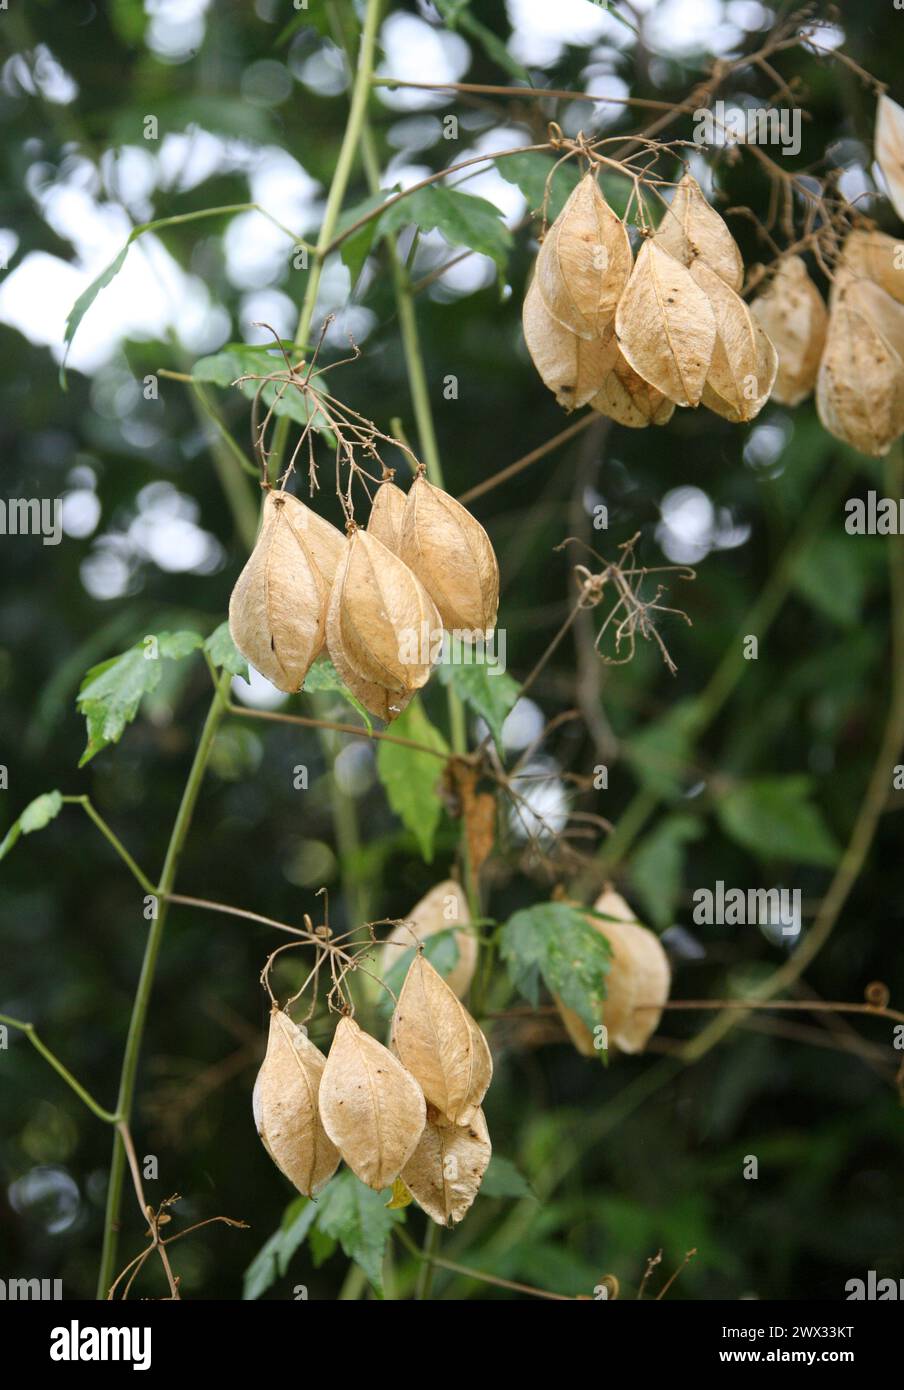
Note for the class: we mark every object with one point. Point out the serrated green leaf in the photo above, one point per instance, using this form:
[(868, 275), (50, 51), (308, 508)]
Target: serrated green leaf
[(463, 219), (529, 172), (833, 572), (36, 815), (356, 248), (661, 753), (223, 368), (272, 1260), (657, 866), (224, 653), (411, 777), (110, 694), (502, 1179), (774, 818), (360, 1220), (555, 942), (491, 696)]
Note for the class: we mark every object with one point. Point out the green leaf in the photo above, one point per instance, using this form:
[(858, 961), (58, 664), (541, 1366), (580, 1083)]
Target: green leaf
[(323, 677), (224, 653), (356, 248), (833, 572), (110, 694), (36, 815), (410, 777), (529, 172), (458, 16), (463, 219), (557, 942), (441, 949), (657, 866), (491, 696), (359, 1219), (502, 1179), (660, 755), (272, 1260), (774, 818), (226, 366)]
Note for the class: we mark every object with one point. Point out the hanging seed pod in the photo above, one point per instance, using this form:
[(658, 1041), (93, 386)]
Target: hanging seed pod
[(386, 515), (438, 910), (665, 326), (874, 256), (692, 230), (890, 149), (446, 1169), (451, 555), (278, 606), (584, 262), (325, 544), (371, 1107), (626, 398), (285, 1107), (440, 1044), (573, 368), (381, 623), (793, 316), (860, 386), (377, 699), (639, 973), (744, 361)]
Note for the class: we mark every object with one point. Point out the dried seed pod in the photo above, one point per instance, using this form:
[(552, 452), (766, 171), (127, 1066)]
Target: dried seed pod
[(440, 1044), (437, 911), (584, 262), (639, 973), (692, 230), (875, 256), (744, 361), (325, 543), (386, 515), (285, 1107), (371, 1107), (626, 398), (377, 699), (381, 623), (666, 327), (860, 387), (451, 555), (572, 367), (793, 316), (890, 149), (446, 1169), (277, 609)]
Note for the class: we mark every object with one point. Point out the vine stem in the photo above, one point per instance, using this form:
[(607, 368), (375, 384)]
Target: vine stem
[(142, 998), (29, 1030)]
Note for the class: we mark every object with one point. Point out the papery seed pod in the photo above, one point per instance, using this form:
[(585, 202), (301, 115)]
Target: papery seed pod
[(665, 326), (639, 973), (584, 262), (446, 1169), (860, 386), (440, 1044), (381, 621), (744, 361), (626, 398), (386, 513), (890, 149), (451, 554), (325, 543), (572, 367), (277, 610), (371, 1107), (438, 910), (875, 256), (692, 230), (377, 699), (285, 1107), (792, 314)]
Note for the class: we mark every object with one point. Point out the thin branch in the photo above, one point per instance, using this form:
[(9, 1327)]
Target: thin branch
[(85, 1096)]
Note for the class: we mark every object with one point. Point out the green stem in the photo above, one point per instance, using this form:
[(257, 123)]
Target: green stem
[(145, 984), (103, 827), (429, 1251), (29, 1030)]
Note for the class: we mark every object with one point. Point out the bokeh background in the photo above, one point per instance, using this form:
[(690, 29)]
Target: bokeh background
[(250, 101)]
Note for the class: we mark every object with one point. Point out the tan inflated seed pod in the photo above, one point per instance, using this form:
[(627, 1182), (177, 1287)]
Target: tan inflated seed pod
[(377, 699), (278, 606), (437, 911), (285, 1107), (325, 544), (792, 314), (584, 262), (692, 230), (440, 1044), (452, 556), (665, 326), (629, 400), (874, 256), (890, 149), (372, 1108), (744, 361), (573, 368), (381, 622), (638, 973), (860, 387), (386, 515), (446, 1169)]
